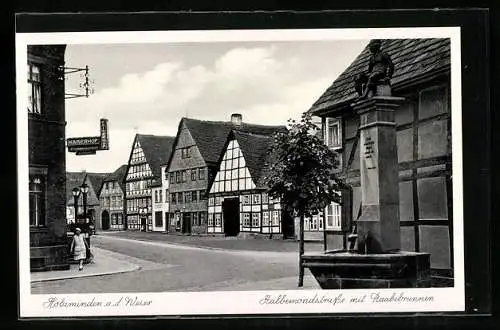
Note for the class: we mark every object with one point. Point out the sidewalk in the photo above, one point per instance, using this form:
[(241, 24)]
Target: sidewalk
[(218, 242), (105, 263)]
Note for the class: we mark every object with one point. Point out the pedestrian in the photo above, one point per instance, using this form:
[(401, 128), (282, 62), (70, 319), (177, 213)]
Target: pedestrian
[(79, 248)]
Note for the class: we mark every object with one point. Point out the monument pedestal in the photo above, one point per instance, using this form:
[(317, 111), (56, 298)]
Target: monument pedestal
[(378, 261), (346, 270)]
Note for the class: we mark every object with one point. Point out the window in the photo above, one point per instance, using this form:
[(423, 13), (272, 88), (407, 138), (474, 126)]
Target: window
[(186, 152), (203, 195), (246, 200), (179, 198), (333, 216), (37, 201), (173, 200), (194, 174), (210, 219), (120, 219), (177, 177), (218, 200), (187, 197), (172, 177), (156, 196), (166, 174), (246, 219), (34, 89), (202, 217), (194, 219), (265, 218), (217, 219), (184, 176), (333, 133), (265, 198), (160, 197), (256, 199), (211, 201), (194, 196), (275, 218), (201, 173), (255, 219)]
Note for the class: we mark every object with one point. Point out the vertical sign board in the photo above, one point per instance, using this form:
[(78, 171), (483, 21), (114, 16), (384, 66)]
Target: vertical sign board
[(89, 145)]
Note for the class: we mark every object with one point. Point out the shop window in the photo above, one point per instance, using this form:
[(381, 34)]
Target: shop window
[(34, 89)]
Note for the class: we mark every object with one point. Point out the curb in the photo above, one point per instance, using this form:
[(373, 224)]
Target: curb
[(134, 268)]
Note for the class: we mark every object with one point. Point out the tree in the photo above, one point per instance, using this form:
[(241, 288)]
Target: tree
[(302, 174)]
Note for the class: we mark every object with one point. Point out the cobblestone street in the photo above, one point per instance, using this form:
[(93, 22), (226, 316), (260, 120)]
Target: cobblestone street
[(188, 265)]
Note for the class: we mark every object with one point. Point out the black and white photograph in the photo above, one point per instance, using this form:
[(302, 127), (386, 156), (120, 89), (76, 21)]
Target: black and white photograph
[(295, 170)]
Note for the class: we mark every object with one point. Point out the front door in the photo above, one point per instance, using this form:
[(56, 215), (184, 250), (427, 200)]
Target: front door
[(231, 215), (105, 220), (143, 224), (186, 223)]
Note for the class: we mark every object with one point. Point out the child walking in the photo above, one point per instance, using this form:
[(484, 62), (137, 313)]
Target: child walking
[(79, 248)]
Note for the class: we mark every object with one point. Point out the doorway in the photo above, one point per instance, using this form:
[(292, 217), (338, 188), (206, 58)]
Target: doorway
[(231, 215), (143, 224), (186, 223), (105, 220)]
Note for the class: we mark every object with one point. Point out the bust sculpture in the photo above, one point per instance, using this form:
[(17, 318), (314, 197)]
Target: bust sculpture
[(379, 74)]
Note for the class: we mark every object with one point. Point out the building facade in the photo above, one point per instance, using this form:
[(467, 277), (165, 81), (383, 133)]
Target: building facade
[(47, 157), (112, 200), (159, 197), (423, 141), (92, 201), (193, 165), (238, 203), (147, 154)]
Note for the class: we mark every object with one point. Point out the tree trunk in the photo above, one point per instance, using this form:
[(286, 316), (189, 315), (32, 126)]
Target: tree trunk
[(301, 250)]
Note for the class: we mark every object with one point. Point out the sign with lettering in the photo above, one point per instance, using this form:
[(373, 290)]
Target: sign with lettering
[(369, 150), (90, 144)]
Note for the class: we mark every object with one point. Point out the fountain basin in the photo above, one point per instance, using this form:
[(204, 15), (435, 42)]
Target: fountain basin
[(350, 270)]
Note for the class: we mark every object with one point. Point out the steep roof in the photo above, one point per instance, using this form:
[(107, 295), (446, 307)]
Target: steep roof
[(118, 175), (76, 179), (413, 59), (96, 180), (255, 149), (157, 150), (211, 136)]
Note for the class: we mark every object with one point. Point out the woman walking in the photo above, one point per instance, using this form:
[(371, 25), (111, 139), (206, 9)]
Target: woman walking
[(79, 248)]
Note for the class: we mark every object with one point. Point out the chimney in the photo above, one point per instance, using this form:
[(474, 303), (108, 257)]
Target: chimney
[(236, 119)]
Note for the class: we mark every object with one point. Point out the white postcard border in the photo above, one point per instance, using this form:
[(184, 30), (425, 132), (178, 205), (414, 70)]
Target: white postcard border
[(233, 302)]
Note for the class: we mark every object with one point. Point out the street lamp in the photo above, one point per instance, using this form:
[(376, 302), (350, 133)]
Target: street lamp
[(84, 188), (76, 194)]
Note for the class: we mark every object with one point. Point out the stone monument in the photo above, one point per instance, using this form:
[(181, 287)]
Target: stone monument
[(377, 261)]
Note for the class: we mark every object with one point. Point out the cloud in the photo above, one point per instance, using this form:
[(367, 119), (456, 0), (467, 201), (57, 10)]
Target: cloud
[(267, 88)]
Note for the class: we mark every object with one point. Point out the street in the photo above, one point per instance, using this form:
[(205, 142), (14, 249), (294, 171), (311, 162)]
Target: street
[(169, 267)]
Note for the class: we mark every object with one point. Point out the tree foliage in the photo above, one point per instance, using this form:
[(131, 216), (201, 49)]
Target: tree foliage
[(302, 172)]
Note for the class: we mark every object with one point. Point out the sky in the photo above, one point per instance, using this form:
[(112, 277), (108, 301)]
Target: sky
[(148, 88)]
